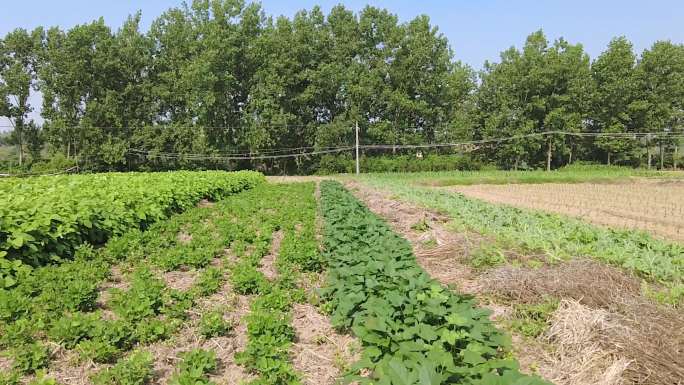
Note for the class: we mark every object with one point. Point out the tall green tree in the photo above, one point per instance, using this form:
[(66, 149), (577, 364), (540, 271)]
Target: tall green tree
[(661, 76), (616, 101), (18, 68), (542, 88)]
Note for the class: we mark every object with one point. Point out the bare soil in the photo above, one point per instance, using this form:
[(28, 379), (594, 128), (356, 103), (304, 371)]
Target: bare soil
[(653, 206), (604, 331), (268, 262)]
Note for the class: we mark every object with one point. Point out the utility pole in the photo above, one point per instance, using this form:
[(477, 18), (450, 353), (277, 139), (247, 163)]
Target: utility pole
[(357, 148)]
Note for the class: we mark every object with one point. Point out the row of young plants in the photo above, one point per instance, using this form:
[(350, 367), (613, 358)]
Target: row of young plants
[(558, 236), (44, 219), (58, 304), (414, 331), (292, 211)]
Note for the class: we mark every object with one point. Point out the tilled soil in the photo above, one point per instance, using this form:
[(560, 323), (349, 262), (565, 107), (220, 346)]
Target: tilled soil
[(655, 207)]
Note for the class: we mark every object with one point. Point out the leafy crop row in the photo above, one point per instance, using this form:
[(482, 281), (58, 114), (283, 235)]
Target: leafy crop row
[(414, 331), (558, 236), (59, 302), (290, 209), (45, 219)]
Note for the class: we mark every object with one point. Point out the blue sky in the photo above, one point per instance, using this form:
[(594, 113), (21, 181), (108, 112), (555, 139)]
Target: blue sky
[(477, 30)]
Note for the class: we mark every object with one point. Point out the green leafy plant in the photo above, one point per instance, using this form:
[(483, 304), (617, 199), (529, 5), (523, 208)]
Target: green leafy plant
[(194, 367), (136, 369), (212, 324), (531, 320), (31, 357)]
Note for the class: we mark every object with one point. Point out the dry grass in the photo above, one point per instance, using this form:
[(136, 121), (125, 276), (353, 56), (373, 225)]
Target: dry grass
[(319, 352), (650, 205), (592, 283)]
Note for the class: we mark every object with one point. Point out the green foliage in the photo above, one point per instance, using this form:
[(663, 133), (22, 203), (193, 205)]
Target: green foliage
[(246, 279), (531, 320), (144, 299), (136, 369), (412, 329), (486, 257), (194, 367), (270, 334), (212, 324), (42, 379), (575, 173), (10, 378), (331, 164), (30, 357), (209, 282), (153, 330), (65, 211)]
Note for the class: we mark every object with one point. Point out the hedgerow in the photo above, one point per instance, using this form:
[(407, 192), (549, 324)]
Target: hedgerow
[(413, 329)]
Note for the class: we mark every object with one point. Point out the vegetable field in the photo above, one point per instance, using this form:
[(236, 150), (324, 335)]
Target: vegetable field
[(225, 278)]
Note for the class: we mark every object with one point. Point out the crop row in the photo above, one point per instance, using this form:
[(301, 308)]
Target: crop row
[(63, 304), (44, 220), (559, 236), (66, 305), (414, 331), (270, 333)]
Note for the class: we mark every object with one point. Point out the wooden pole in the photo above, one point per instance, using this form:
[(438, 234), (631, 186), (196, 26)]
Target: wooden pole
[(357, 149)]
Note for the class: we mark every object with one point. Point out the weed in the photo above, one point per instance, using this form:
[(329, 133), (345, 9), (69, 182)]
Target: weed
[(531, 320)]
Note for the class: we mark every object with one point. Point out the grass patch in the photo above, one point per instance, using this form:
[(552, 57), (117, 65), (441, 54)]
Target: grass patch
[(531, 320)]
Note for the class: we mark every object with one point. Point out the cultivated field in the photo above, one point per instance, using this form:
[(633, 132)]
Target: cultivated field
[(655, 206), (210, 278)]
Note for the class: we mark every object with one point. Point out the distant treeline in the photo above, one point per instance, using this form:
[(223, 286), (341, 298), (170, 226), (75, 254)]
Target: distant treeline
[(221, 77)]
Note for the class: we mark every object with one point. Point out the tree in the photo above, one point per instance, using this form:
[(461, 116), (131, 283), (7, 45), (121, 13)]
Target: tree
[(530, 94), (616, 100), (18, 67), (661, 78)]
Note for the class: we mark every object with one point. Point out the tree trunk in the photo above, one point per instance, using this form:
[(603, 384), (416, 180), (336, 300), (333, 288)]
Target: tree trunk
[(68, 148), (650, 157), (609, 159), (548, 157), (662, 156), (570, 157), (515, 166), (674, 157)]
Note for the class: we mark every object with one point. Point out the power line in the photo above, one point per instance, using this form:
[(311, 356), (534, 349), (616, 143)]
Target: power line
[(329, 150)]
